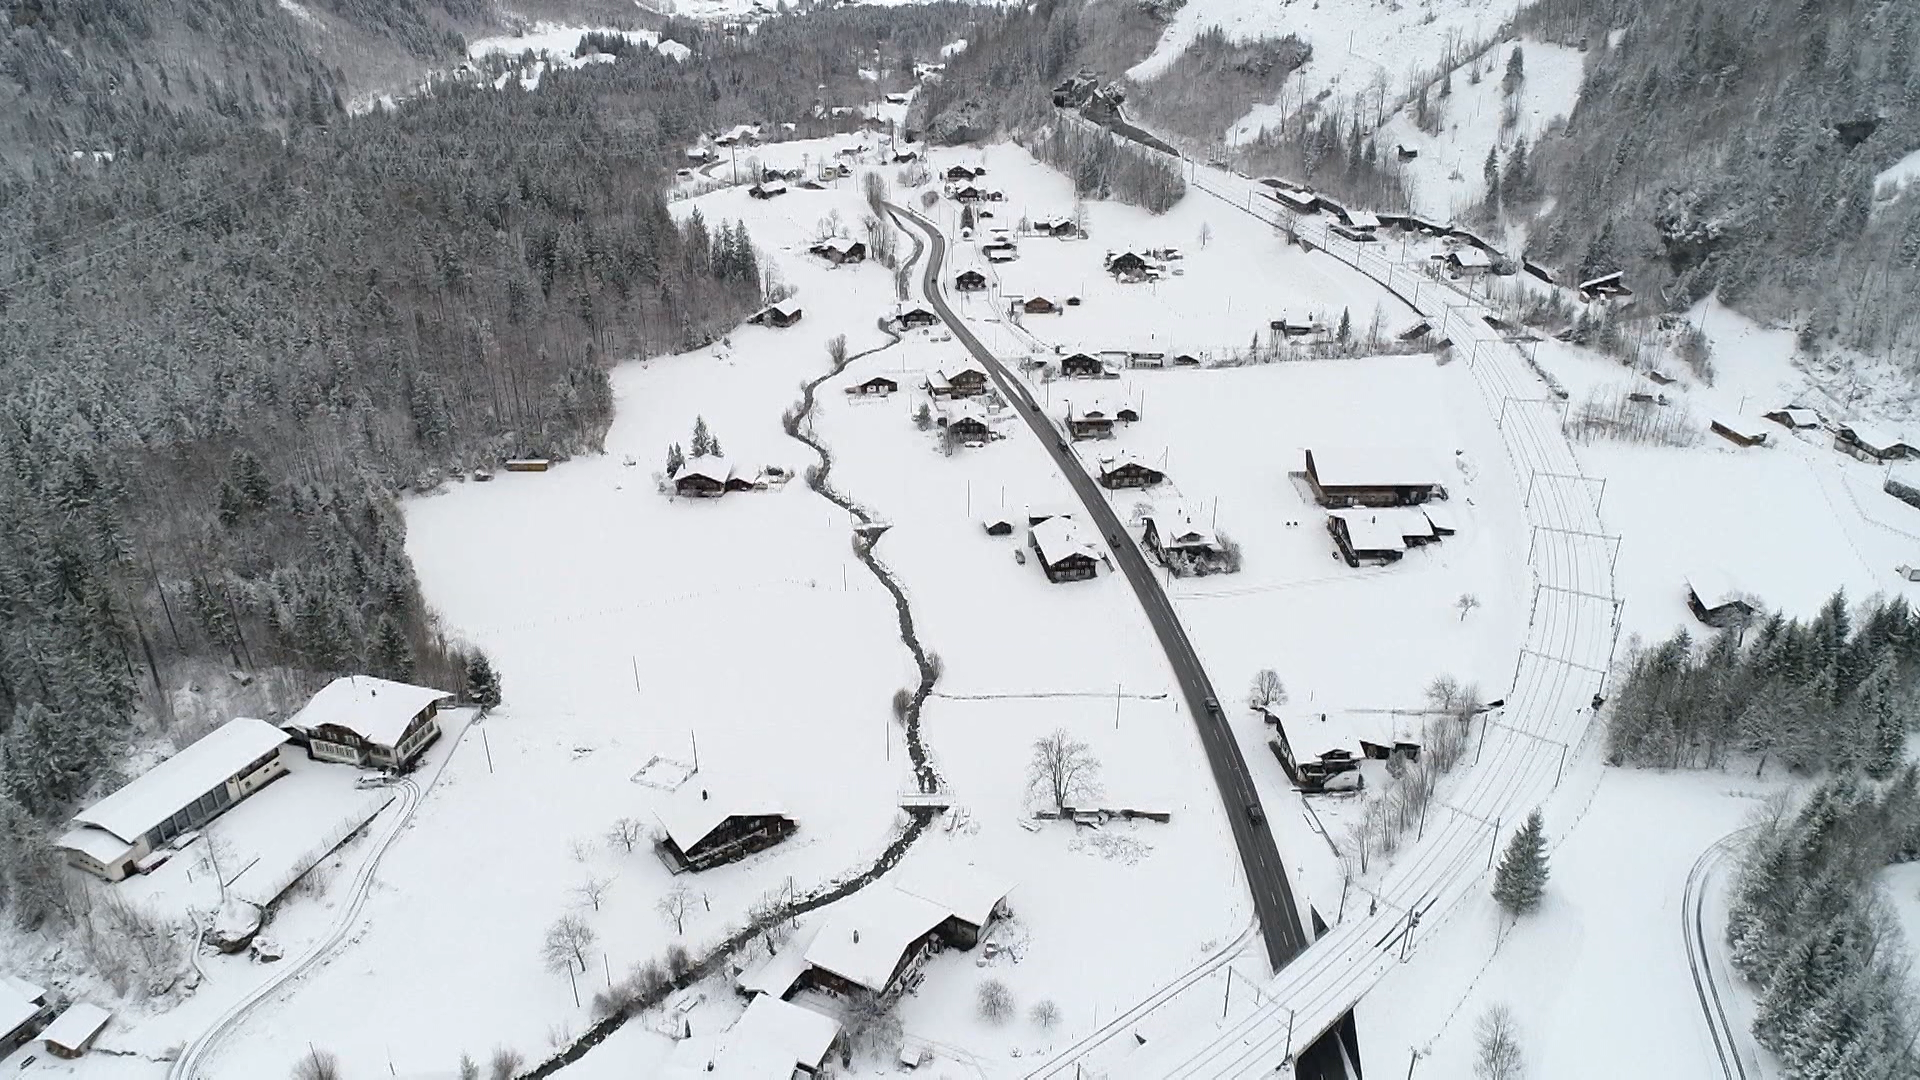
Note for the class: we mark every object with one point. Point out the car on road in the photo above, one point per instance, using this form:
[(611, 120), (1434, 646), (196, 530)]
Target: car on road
[(1255, 814), (1213, 705)]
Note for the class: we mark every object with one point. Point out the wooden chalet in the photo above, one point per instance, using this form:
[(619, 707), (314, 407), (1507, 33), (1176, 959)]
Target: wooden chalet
[(970, 280), (700, 831), (739, 135), (1794, 418), (964, 424), (1127, 471), (1171, 535), (1468, 262), (960, 174), (1605, 287), (767, 189), (529, 464), (1870, 442), (707, 477), (1738, 430), (72, 1032), (1361, 537), (372, 723), (1063, 552), (1403, 152), (1038, 305), (874, 942), (782, 314), (1715, 600), (1128, 266), (1082, 365), (1059, 227), (874, 386), (1343, 477), (839, 250), (907, 318), (1093, 422), (1322, 751), (960, 381)]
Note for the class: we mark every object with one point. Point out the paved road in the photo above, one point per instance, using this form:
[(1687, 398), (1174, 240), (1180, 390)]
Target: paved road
[(1273, 902)]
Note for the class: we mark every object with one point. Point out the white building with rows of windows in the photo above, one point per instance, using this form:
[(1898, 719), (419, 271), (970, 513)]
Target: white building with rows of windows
[(373, 723)]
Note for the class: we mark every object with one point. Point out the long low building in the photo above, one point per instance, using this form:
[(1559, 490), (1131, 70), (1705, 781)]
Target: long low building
[(184, 792), (1376, 476)]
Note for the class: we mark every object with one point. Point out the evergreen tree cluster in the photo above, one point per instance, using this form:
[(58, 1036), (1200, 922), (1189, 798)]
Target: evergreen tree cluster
[(1734, 147), (1808, 929), (1103, 167), (1836, 692)]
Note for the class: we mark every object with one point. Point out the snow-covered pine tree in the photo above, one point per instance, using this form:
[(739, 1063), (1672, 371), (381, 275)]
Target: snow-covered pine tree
[(1345, 333), (676, 460), (702, 438), (1521, 879), (483, 683), (713, 447)]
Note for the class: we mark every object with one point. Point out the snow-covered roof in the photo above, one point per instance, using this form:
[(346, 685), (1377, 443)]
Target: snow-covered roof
[(699, 808), (1368, 529), (717, 469), (1470, 256), (97, 844), (867, 934), (1798, 416), (1178, 529), (377, 710), (1120, 459), (172, 785), (1603, 279), (1374, 466), (1094, 408), (16, 1008), (1440, 516), (1743, 426), (771, 186), (777, 973), (1714, 588), (1362, 219), (1872, 436), (962, 409), (1059, 537), (76, 1027), (962, 889), (1314, 734), (786, 309), (774, 1035), (840, 244), (950, 372), (28, 991)]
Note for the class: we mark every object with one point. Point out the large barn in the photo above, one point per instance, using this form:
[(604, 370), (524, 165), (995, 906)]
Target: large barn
[(705, 827), (1372, 477)]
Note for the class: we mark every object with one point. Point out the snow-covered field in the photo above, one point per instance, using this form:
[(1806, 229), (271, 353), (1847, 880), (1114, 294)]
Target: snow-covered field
[(1448, 176)]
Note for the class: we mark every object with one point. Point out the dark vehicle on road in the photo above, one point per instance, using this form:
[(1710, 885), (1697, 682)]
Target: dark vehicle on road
[(1255, 814)]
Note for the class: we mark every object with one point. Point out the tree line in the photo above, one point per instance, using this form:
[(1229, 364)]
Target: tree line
[(1835, 692)]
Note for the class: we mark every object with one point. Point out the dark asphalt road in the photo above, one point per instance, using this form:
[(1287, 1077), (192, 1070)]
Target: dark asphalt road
[(1273, 902)]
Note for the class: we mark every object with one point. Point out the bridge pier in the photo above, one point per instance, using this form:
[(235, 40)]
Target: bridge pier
[(1334, 1056)]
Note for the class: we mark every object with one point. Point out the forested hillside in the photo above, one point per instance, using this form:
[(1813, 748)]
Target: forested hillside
[(221, 356), (1733, 146)]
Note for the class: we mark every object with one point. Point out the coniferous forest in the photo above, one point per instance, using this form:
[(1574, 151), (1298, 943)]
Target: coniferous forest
[(226, 350)]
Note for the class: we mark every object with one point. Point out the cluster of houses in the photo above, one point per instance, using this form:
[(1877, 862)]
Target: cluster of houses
[(28, 1012), (1058, 544), (1380, 502), (354, 720), (710, 476), (964, 186)]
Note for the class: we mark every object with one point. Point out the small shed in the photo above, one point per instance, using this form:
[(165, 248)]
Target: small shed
[(782, 314), (768, 189), (1715, 600), (74, 1030), (1738, 430), (1794, 417), (536, 464), (998, 524)]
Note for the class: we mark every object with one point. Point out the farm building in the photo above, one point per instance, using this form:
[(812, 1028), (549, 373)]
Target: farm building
[(874, 386), (1316, 748), (1358, 220), (1095, 419), (738, 135), (1715, 600), (778, 1039), (908, 318), (705, 476), (906, 156), (970, 280), (1124, 470), (73, 1031), (1604, 287), (839, 250), (1300, 202), (767, 189), (1082, 365), (998, 524), (1061, 227), (1171, 535), (876, 940), (1371, 477), (1903, 483), (1353, 233), (23, 1009), (113, 836), (1869, 442), (974, 193), (1000, 251), (372, 723), (1738, 430), (1794, 417), (1372, 535), (963, 173), (1468, 262), (704, 828), (1064, 553), (1128, 266), (1037, 305), (964, 423), (957, 380), (782, 314)]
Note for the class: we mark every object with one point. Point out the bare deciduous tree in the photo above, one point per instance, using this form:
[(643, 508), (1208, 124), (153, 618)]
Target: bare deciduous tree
[(593, 890), (317, 1064), (568, 940), (837, 349), (505, 1064), (1466, 604), (995, 1002), (626, 833), (1044, 1014), (1063, 769), (1498, 1057), (1268, 692), (674, 906), (1206, 234), (469, 1068)]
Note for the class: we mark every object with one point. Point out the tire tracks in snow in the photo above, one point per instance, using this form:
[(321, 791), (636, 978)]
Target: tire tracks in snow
[(1693, 929)]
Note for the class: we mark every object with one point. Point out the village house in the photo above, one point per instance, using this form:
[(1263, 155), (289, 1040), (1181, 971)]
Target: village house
[(1129, 266), (961, 174), (1738, 430), (1057, 227), (769, 174), (906, 155), (1468, 262), (1082, 365), (907, 318), (1794, 418), (1124, 470), (1037, 305), (1870, 442), (705, 476), (1298, 201), (839, 250), (964, 423), (1170, 534), (700, 154), (704, 827), (1323, 752), (738, 135), (1715, 600), (23, 1011), (767, 189), (874, 386), (122, 832), (1371, 477), (1903, 483), (1000, 251), (957, 380), (372, 723), (72, 1032), (876, 940), (781, 314), (1604, 287), (970, 280), (1064, 553), (1095, 419)]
